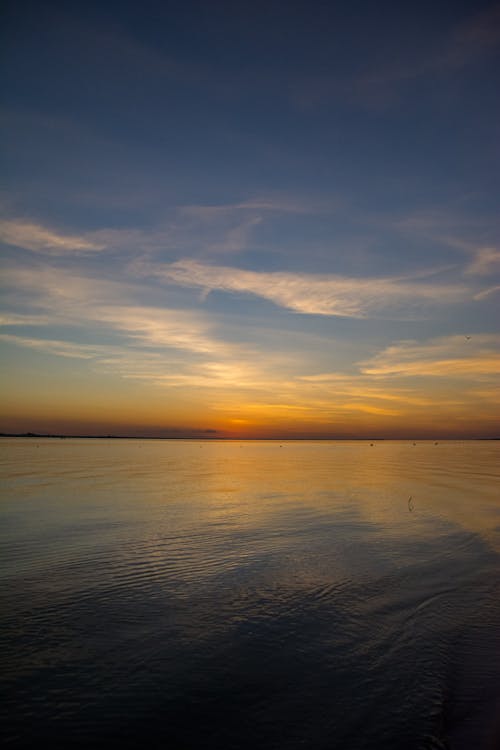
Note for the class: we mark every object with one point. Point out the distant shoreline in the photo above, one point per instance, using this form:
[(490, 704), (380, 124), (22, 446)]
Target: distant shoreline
[(35, 435)]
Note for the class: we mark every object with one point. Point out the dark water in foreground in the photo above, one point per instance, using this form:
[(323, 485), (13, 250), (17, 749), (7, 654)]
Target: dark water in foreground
[(172, 594)]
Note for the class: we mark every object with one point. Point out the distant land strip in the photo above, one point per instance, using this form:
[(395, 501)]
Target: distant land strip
[(211, 435)]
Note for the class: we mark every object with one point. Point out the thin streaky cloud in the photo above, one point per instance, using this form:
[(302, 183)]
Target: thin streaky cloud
[(312, 294), (272, 204), (77, 300), (15, 319), (473, 39), (456, 230), (486, 260), (160, 327), (439, 226), (361, 385), (122, 359), (53, 346), (233, 374), (151, 342), (214, 230), (236, 239), (453, 356), (452, 367), (159, 368), (40, 239), (56, 290), (487, 292), (489, 394), (465, 45)]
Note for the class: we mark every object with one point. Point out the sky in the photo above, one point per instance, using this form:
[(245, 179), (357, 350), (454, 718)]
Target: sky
[(250, 219)]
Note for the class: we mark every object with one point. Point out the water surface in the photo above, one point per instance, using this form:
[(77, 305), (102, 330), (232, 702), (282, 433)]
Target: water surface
[(187, 594)]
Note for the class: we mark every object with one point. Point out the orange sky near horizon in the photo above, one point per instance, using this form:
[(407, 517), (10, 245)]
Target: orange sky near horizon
[(357, 406)]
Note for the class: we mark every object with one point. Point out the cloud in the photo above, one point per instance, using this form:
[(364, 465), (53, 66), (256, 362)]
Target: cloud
[(462, 46), (157, 366), (359, 385), (55, 290), (275, 203), (15, 319), (453, 367), (455, 231), (53, 346), (228, 227), (202, 229), (458, 233), (487, 292), (313, 294), (233, 369), (72, 299), (235, 239), (490, 394), (452, 356), (188, 353), (473, 39), (486, 261), (38, 238), (155, 327), (165, 346), (230, 374)]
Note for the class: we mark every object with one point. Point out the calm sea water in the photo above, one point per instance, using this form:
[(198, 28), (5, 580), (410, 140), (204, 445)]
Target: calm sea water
[(183, 594)]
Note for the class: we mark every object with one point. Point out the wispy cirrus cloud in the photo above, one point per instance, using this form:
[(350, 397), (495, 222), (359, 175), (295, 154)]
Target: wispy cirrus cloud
[(167, 350), (462, 46), (485, 261), (325, 294), (213, 229), (272, 203), (160, 327), (230, 374), (487, 292), (59, 347), (475, 259), (71, 299), (167, 347), (456, 356), (158, 367), (163, 360), (187, 351), (16, 319), (473, 39), (35, 237), (444, 227)]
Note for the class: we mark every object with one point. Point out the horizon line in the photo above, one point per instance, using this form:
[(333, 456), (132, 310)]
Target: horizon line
[(204, 436)]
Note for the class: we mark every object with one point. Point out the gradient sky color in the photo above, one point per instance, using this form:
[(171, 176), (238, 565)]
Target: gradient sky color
[(251, 219)]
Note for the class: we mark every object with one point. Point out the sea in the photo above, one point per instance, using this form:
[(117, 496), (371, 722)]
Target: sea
[(189, 594)]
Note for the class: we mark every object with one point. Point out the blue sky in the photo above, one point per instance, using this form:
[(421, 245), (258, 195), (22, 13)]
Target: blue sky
[(263, 219)]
